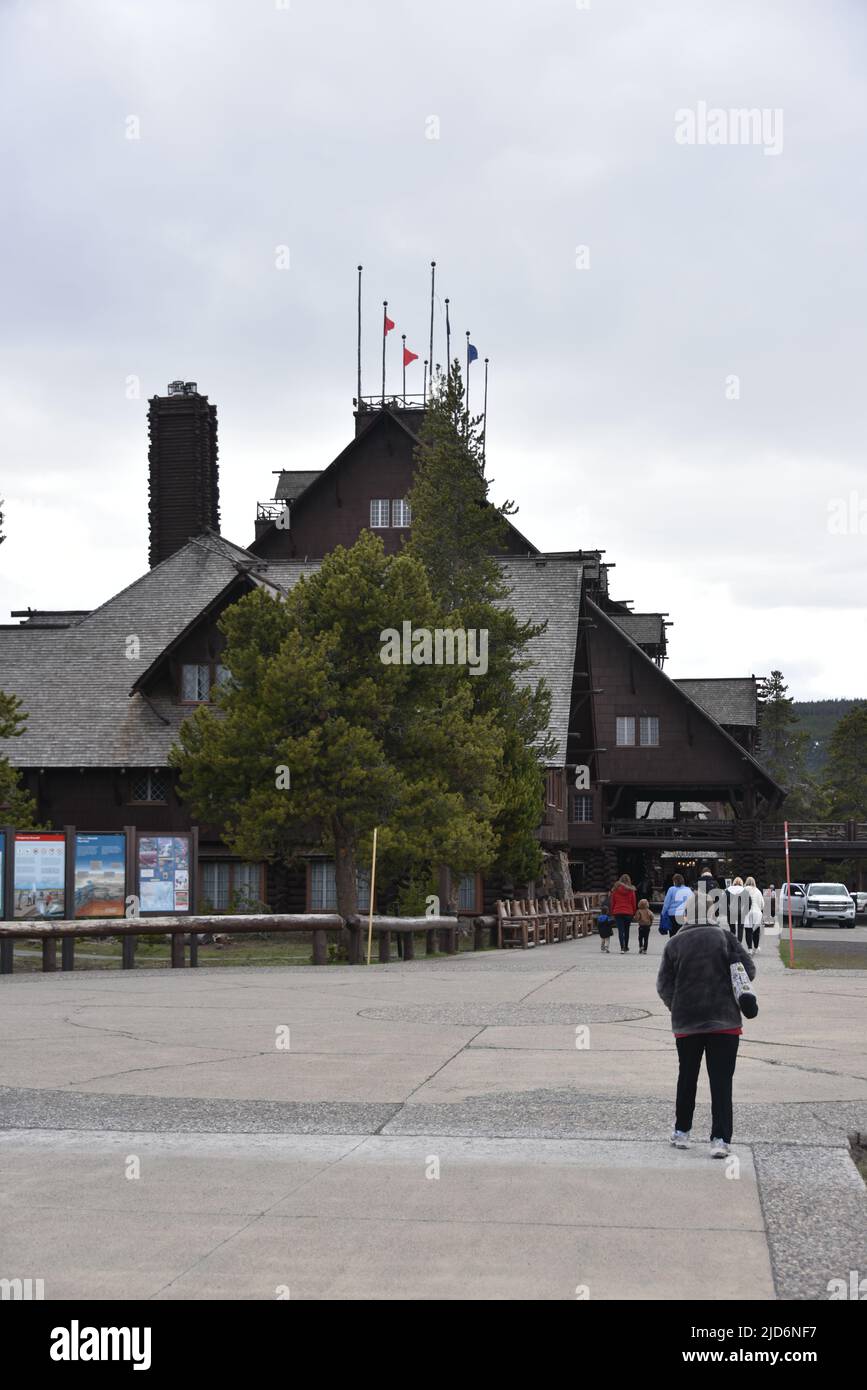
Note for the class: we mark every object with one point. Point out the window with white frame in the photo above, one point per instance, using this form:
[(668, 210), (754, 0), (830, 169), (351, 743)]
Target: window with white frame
[(323, 887), (379, 513), (468, 893), (401, 514), (625, 731), (649, 731), (582, 807), (148, 786)]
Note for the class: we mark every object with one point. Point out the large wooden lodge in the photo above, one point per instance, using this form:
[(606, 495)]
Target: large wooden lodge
[(673, 776)]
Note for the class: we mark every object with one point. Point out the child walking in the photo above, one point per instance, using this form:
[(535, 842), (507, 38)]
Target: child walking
[(644, 918), (605, 925)]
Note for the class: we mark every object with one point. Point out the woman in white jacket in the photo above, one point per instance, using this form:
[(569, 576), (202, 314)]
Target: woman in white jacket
[(753, 919)]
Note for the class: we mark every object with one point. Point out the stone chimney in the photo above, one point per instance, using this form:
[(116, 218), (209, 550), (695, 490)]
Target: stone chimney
[(184, 487)]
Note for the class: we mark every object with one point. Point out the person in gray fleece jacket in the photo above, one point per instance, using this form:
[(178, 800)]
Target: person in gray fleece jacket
[(694, 982)]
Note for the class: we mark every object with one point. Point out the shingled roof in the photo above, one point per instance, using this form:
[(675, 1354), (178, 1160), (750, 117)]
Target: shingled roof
[(646, 629), (291, 483), (543, 588), (729, 699), (76, 683)]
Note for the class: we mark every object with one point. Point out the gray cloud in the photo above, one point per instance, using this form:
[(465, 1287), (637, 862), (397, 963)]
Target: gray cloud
[(609, 421)]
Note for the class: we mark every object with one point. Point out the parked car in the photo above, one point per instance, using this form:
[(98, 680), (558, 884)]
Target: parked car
[(813, 903), (797, 894), (860, 900), (829, 902)]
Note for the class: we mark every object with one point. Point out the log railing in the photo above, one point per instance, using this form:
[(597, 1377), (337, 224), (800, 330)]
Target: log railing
[(184, 932)]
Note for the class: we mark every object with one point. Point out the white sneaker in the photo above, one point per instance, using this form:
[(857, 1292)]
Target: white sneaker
[(719, 1148), (680, 1138)]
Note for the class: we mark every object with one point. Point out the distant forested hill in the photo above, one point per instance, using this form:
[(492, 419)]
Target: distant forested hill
[(818, 717)]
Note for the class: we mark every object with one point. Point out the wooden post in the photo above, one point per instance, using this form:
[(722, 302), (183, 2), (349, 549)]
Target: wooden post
[(384, 948), (320, 948), (178, 961), (127, 953), (478, 936), (430, 943), (7, 956), (194, 949), (408, 939), (67, 953), (49, 954)]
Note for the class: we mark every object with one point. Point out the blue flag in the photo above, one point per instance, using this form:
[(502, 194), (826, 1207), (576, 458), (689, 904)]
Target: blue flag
[(472, 353)]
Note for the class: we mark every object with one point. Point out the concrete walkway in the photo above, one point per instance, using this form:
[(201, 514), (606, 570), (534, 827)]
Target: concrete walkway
[(431, 1130)]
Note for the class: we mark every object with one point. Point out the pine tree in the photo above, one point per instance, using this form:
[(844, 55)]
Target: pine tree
[(17, 806), (457, 533), (782, 746), (845, 779), (315, 740)]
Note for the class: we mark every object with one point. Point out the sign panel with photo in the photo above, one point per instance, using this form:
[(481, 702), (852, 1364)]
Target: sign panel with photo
[(100, 875), (40, 869), (164, 873), (2, 870)]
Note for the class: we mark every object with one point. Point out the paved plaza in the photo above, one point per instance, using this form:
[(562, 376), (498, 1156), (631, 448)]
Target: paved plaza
[(486, 1126)]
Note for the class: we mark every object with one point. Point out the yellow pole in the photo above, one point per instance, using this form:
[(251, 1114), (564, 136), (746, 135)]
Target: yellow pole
[(372, 891)]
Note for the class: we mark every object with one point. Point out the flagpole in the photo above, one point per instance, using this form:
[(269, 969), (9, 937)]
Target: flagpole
[(360, 268), (384, 336), (403, 356), (424, 394), (485, 418), (433, 271), (468, 380), (448, 344)]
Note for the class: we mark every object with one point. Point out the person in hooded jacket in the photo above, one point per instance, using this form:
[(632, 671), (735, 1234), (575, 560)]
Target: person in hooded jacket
[(695, 983), (753, 922), (737, 907)]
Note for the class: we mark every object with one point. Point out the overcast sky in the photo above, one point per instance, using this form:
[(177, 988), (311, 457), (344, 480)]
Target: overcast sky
[(687, 393)]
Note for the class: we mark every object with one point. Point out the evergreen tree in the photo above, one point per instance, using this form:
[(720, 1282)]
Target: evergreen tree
[(782, 746), (845, 780), (17, 806), (457, 533), (315, 740)]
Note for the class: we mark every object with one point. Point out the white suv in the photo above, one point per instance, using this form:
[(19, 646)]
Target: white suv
[(829, 902)]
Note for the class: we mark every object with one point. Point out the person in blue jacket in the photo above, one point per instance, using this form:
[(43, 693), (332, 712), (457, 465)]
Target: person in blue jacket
[(676, 904)]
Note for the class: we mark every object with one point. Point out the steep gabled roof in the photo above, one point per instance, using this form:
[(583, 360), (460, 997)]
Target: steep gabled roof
[(74, 683), (84, 696), (730, 699), (318, 479), (705, 714)]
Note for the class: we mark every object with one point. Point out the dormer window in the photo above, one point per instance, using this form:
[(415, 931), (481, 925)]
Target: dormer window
[(379, 513), (198, 678)]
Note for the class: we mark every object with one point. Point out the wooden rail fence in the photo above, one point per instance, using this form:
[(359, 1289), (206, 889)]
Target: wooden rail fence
[(517, 922)]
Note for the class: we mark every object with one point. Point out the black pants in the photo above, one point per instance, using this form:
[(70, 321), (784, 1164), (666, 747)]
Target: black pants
[(643, 936), (739, 929), (752, 937), (721, 1053), (624, 922)]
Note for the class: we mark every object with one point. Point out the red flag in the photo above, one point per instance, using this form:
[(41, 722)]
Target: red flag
[(388, 325), (409, 357)]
